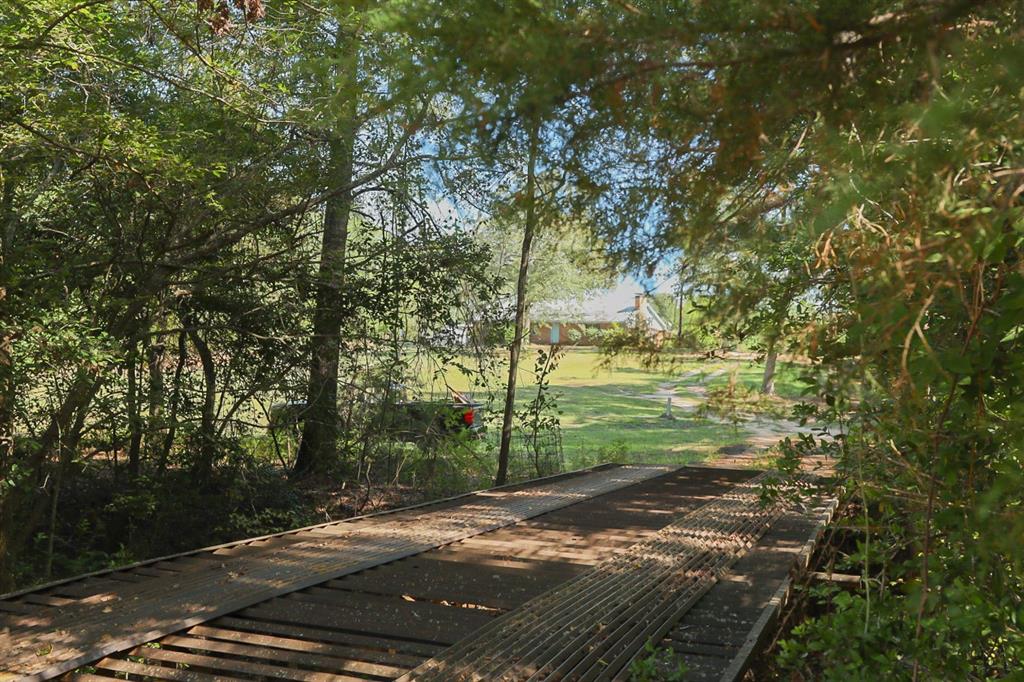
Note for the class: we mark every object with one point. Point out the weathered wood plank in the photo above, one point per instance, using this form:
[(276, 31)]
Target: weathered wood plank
[(306, 632), (82, 632), (592, 626)]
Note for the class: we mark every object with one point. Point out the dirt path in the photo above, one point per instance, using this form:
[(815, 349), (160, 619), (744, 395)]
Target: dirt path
[(762, 432)]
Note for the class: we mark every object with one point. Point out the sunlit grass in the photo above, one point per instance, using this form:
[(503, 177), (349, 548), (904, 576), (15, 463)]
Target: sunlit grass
[(749, 375), (611, 413)]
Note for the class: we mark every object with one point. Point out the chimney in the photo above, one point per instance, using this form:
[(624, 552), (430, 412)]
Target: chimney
[(640, 304)]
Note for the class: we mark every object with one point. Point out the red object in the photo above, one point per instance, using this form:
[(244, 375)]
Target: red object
[(467, 417)]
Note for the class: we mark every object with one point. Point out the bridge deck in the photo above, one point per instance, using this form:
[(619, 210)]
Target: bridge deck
[(341, 611)]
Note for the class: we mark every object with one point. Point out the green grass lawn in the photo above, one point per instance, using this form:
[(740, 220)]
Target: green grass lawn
[(601, 423), (604, 416), (750, 374)]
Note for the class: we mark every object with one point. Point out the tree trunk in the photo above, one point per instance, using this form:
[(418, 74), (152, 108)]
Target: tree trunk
[(203, 466), (8, 546), (7, 521), (23, 506), (770, 359), (155, 353), (521, 282), (682, 307), (318, 449), (6, 332), (134, 411), (7, 506), (54, 438), (172, 417), (319, 446)]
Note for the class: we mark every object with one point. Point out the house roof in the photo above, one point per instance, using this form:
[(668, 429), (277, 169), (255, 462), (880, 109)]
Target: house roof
[(617, 304)]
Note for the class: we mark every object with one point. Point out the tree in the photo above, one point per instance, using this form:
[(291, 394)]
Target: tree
[(762, 296), (519, 324), (500, 112), (117, 192), (566, 262), (145, 162), (318, 449), (887, 135), (366, 127), (544, 254)]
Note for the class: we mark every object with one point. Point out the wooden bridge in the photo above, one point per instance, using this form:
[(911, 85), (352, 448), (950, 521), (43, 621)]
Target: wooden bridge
[(562, 578)]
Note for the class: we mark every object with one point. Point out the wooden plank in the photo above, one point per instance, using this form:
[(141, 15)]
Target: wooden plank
[(592, 626), (186, 563), (757, 634), (573, 545), (126, 577), (212, 550), (559, 533), (847, 581), (539, 551), (310, 633), (18, 607), (218, 665), (252, 650), (80, 633), (151, 572), (461, 554), (305, 646), (256, 546), (498, 587), (696, 631), (46, 600), (701, 649), (88, 587), (160, 672), (382, 616)]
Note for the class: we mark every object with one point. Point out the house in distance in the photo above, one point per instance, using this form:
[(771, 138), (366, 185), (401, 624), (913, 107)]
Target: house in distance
[(584, 321)]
